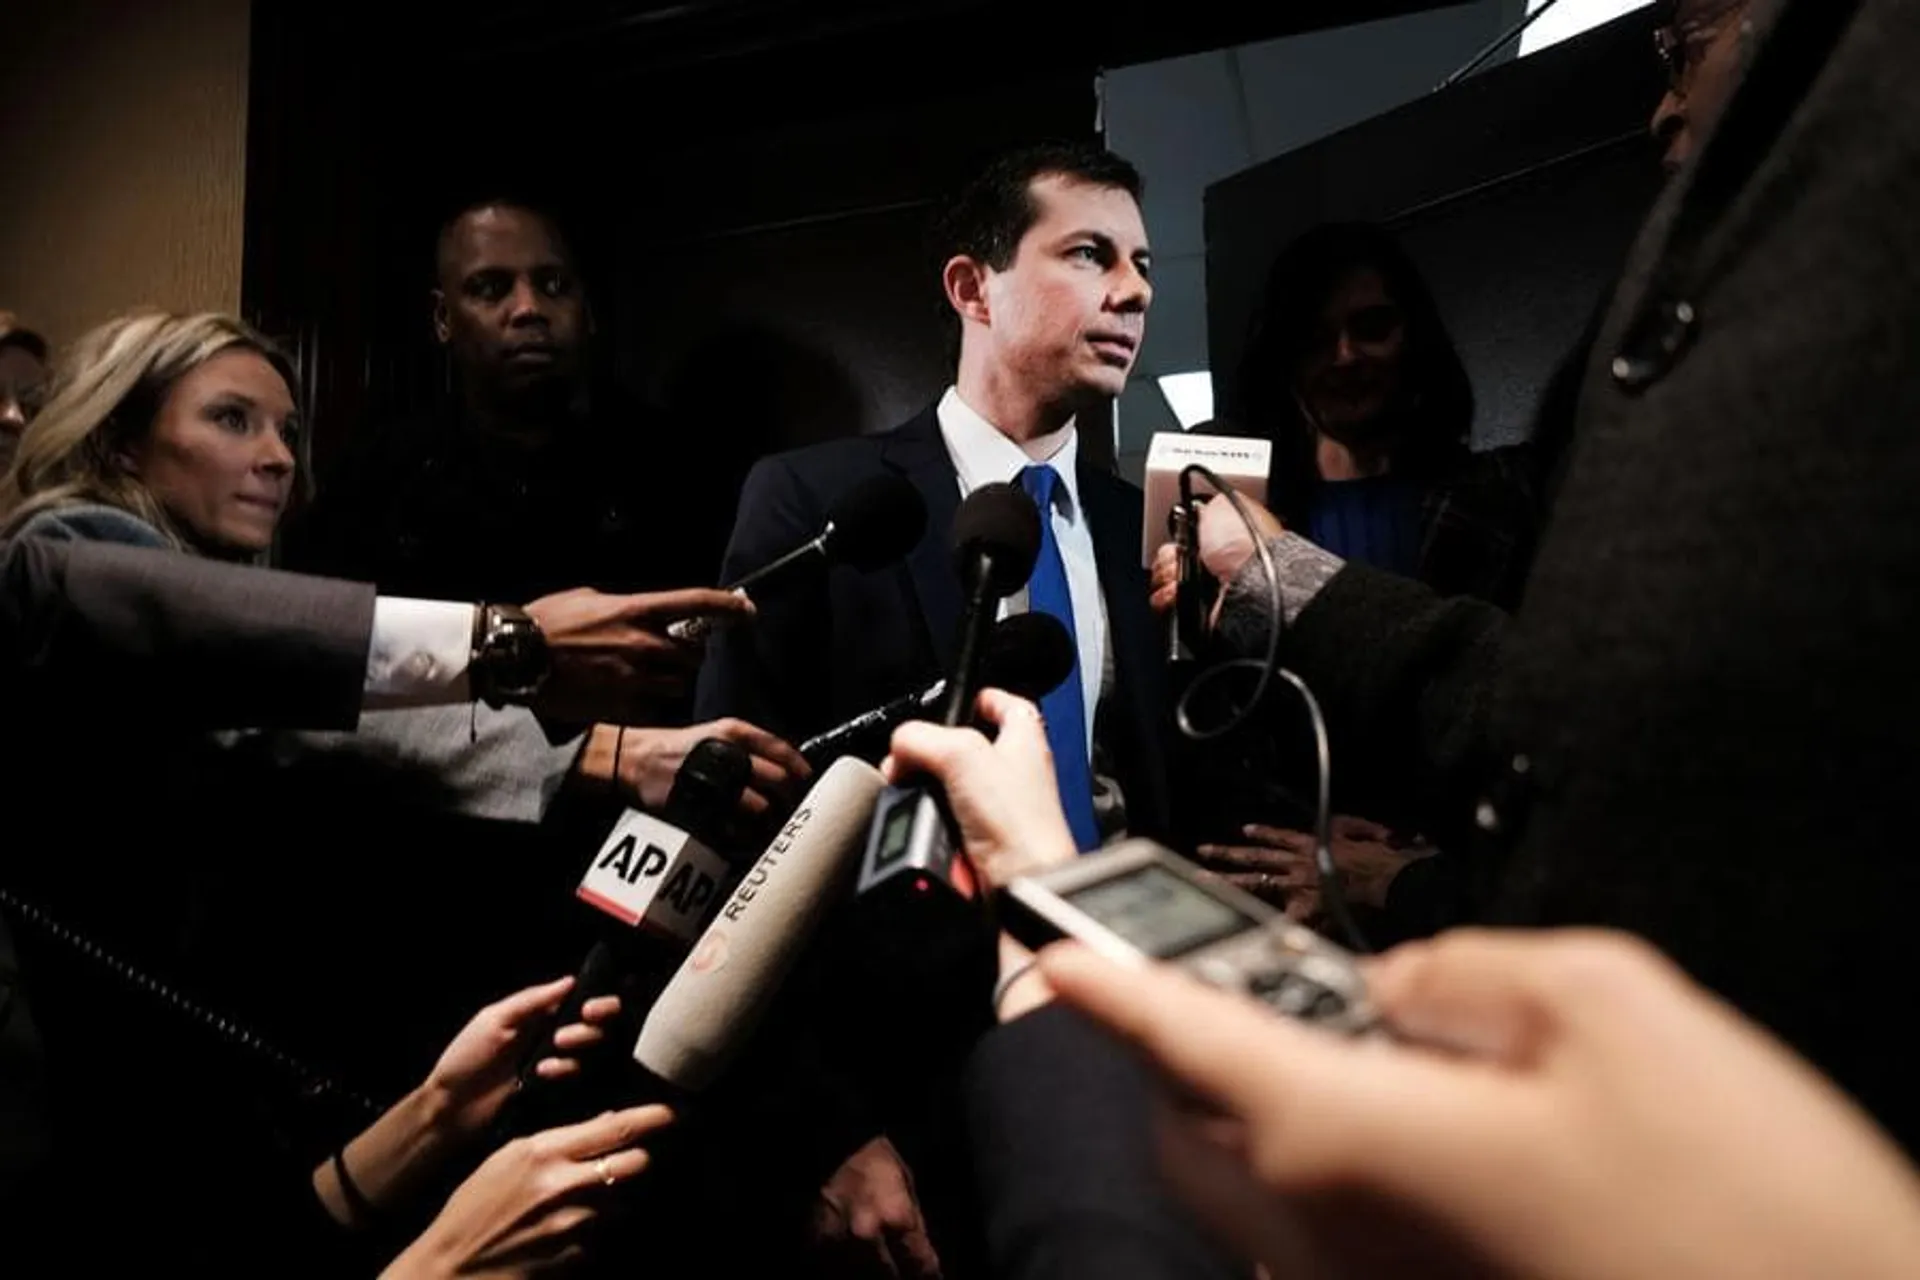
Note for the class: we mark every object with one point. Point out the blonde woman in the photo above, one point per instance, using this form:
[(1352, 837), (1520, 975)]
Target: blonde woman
[(272, 875), (164, 430), (181, 432)]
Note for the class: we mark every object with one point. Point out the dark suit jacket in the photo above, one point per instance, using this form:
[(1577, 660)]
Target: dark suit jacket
[(179, 640), (101, 645), (1704, 723), (1061, 1123), (840, 642)]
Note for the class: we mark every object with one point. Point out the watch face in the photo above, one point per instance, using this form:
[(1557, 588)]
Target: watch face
[(521, 650)]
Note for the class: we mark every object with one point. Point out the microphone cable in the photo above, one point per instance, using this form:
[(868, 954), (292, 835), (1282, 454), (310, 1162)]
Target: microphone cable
[(1332, 892), (312, 1084)]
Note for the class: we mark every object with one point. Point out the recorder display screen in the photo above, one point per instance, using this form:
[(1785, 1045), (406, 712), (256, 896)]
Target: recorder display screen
[(1159, 912)]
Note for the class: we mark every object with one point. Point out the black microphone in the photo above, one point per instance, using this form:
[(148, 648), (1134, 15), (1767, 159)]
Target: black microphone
[(655, 883), (873, 524), (996, 539), (1028, 654), (916, 924)]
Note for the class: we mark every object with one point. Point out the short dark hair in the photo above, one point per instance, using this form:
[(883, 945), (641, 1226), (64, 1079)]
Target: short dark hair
[(990, 215), (1303, 276), (443, 240)]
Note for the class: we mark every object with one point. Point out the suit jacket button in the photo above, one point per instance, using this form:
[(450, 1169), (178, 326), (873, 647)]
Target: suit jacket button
[(1654, 344), (1486, 817)]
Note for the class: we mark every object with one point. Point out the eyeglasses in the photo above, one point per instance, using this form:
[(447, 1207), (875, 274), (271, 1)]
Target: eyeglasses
[(1679, 47)]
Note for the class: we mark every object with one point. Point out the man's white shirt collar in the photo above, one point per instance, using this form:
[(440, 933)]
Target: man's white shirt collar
[(982, 455)]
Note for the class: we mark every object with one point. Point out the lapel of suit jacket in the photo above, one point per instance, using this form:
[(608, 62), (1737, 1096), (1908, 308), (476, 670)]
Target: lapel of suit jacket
[(1139, 682), (1115, 556), (918, 452)]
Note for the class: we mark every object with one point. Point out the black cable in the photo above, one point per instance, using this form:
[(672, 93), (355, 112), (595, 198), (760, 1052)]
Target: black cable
[(1276, 615), (311, 1083), (1500, 42), (1332, 893)]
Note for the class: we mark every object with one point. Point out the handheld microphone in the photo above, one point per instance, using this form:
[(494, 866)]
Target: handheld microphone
[(1027, 653), (872, 524), (1241, 461), (1172, 514), (996, 539), (1183, 620), (656, 882), (714, 1002)]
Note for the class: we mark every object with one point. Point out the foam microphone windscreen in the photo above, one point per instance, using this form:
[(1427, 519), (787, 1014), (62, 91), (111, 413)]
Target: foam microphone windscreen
[(999, 526), (876, 522), (713, 1003), (1028, 654)]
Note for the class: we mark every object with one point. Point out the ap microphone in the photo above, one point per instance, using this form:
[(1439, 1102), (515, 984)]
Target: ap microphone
[(1028, 654), (659, 876), (871, 525), (655, 883), (712, 1005)]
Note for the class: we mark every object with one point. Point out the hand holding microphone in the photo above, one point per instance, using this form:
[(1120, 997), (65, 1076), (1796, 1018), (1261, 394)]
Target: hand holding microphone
[(1223, 548), (1001, 793), (643, 762), (610, 657), (1006, 806), (1224, 545)]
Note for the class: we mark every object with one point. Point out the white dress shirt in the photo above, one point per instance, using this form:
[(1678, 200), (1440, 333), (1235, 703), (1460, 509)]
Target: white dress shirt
[(982, 455), (419, 653)]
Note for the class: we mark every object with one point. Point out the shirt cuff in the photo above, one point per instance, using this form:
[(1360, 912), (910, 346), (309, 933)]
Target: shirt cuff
[(419, 654), (1302, 568)]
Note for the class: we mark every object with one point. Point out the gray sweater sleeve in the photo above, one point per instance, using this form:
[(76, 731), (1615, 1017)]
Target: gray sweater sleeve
[(1302, 568), (1408, 680)]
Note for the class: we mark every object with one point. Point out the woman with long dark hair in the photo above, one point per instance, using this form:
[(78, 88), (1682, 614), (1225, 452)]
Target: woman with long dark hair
[(1350, 371)]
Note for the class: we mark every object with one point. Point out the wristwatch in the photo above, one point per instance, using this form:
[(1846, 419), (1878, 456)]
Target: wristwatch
[(510, 660)]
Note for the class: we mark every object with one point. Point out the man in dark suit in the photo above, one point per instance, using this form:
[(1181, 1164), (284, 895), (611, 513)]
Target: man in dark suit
[(1047, 278)]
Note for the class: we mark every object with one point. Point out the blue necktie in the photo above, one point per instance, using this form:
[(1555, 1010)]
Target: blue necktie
[(1065, 708)]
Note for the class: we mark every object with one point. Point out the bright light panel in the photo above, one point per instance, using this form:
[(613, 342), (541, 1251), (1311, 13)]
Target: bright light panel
[(1190, 396), (1569, 18)]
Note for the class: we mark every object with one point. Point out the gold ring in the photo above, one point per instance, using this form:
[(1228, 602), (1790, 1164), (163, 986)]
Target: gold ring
[(605, 1170)]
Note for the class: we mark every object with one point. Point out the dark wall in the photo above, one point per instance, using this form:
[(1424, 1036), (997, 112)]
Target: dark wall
[(749, 180), (803, 282), (1518, 192), (765, 274)]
